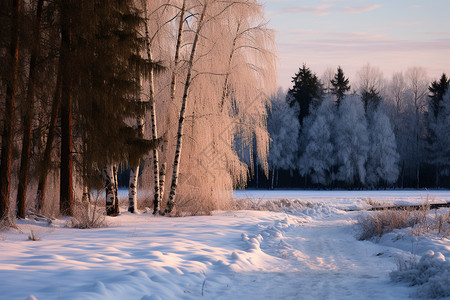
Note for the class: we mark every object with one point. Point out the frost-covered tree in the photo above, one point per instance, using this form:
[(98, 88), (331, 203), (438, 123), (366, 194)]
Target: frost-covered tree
[(318, 159), (382, 163), (417, 82), (351, 141), (221, 96), (283, 128)]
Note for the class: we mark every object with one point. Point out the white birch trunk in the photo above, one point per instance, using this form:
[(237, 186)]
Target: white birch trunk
[(108, 179), (132, 189), (177, 52), (162, 179), (156, 201), (176, 162)]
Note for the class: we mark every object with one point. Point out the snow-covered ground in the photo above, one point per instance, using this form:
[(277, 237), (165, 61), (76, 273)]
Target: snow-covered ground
[(308, 252)]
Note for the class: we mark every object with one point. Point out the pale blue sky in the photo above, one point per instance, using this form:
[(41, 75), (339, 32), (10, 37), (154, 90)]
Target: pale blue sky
[(390, 34)]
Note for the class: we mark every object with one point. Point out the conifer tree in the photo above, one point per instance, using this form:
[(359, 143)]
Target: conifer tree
[(371, 99), (436, 126), (106, 69), (306, 89), (340, 85), (437, 90)]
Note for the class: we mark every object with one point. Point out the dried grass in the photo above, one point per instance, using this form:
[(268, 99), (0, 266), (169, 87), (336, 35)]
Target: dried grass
[(87, 217), (376, 224)]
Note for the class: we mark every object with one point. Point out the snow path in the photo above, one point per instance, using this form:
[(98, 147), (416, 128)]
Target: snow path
[(321, 260), (306, 253)]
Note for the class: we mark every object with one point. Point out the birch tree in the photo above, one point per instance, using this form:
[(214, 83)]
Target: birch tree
[(176, 162), (209, 127)]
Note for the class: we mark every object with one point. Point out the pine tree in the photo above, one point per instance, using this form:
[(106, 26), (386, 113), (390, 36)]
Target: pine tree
[(307, 88), (106, 68), (371, 99), (340, 85), (437, 90), (436, 126)]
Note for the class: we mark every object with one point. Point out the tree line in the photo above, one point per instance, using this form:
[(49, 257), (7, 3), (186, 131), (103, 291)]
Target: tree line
[(377, 134), (160, 87)]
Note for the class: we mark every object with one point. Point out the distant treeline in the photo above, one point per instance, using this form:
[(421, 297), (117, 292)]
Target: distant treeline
[(326, 133)]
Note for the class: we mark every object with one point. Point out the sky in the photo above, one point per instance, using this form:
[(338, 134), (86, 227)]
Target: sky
[(392, 35)]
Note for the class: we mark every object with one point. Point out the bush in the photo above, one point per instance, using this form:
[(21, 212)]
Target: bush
[(431, 274), (375, 224), (86, 217), (378, 223)]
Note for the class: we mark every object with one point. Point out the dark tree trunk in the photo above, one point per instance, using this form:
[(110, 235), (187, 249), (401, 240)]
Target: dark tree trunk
[(66, 183), (10, 107), (28, 120), (46, 160)]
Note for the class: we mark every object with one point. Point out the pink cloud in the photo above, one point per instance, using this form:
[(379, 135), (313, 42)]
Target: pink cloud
[(361, 9)]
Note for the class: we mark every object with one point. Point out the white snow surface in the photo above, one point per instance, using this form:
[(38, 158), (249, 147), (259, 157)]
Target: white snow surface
[(308, 252)]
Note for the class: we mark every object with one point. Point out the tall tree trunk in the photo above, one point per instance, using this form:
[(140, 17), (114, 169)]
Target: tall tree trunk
[(66, 180), (162, 179), (173, 83), (273, 178), (156, 200), (9, 112), (173, 86), (46, 159), (108, 179), (116, 191), (132, 189), (28, 121), (134, 175), (176, 162)]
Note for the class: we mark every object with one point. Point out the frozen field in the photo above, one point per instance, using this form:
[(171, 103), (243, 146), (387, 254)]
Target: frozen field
[(309, 252)]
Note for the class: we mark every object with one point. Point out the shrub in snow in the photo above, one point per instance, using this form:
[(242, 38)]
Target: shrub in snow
[(431, 274), (85, 217), (381, 222)]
